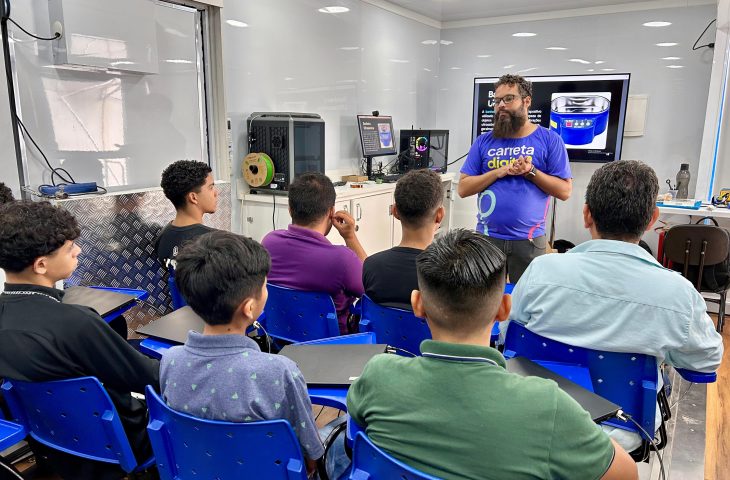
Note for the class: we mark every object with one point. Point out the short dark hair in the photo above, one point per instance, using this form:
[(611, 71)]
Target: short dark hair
[(525, 86), (417, 196), (29, 230), (462, 276), (183, 177), (621, 197), (6, 195), (311, 195), (219, 270)]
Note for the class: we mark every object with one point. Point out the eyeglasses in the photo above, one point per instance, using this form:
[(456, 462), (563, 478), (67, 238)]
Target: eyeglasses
[(507, 99)]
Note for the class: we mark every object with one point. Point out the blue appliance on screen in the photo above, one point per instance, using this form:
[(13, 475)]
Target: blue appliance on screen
[(580, 118)]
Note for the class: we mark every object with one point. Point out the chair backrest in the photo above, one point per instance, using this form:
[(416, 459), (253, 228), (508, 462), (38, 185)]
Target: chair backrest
[(396, 327), (75, 416), (695, 247), (371, 463), (366, 338), (298, 316), (627, 379), (177, 299), (190, 447)]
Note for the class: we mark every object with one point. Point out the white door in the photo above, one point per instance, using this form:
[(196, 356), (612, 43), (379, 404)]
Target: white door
[(262, 217), (334, 235), (372, 215)]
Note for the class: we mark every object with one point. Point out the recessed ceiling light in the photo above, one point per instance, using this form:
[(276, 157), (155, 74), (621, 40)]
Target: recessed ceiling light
[(667, 44), (579, 60), (430, 42), (657, 24), (236, 23), (555, 48), (675, 66), (484, 56), (349, 48), (446, 42), (177, 60), (455, 68), (334, 9), (508, 66), (599, 62), (524, 34), (398, 60), (670, 58), (608, 69)]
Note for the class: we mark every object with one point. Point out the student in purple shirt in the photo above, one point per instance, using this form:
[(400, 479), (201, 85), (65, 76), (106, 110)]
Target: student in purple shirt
[(301, 256), (514, 170)]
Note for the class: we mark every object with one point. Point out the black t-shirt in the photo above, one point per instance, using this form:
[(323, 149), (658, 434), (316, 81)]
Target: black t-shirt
[(389, 277), (172, 238)]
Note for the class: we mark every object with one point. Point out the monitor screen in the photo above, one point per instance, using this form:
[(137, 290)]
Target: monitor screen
[(423, 149), (376, 135), (587, 111)]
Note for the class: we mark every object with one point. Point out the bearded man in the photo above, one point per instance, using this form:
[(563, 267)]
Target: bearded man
[(515, 169)]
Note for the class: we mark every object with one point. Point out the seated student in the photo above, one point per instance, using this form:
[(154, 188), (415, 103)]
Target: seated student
[(190, 187), (301, 256), (389, 277), (455, 412), (6, 196), (610, 294), (222, 374), (42, 339)]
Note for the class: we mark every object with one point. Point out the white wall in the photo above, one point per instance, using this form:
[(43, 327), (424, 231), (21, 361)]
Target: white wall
[(677, 97), (293, 58)]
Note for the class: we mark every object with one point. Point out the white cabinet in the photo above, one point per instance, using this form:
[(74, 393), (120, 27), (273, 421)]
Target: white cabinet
[(377, 230)]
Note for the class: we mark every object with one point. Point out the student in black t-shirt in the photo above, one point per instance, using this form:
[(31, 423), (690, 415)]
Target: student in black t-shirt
[(389, 277), (190, 187)]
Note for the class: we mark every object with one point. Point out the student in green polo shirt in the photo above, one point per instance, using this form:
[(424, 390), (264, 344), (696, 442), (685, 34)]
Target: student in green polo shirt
[(455, 412)]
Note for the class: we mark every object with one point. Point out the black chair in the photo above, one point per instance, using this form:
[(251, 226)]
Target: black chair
[(698, 251)]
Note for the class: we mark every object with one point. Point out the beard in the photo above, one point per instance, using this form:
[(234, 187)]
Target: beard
[(509, 124)]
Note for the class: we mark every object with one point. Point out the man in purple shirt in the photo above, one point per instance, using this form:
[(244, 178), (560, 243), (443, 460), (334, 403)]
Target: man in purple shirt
[(515, 169), (301, 256)]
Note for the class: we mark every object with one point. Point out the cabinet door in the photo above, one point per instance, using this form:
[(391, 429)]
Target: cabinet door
[(397, 229), (372, 215), (261, 218), (334, 236)]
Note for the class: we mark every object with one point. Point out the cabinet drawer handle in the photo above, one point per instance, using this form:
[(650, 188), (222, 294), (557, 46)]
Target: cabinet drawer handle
[(358, 212)]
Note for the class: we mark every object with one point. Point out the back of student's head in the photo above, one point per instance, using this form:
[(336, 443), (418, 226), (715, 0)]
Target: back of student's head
[(621, 197), (183, 177), (311, 195), (6, 195), (218, 271), (418, 194), (461, 276), (29, 230)]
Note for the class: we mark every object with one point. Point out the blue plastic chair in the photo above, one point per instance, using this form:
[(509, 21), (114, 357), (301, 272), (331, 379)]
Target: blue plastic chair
[(187, 446), (75, 416), (153, 347), (177, 299), (627, 379), (371, 463), (394, 326), (298, 316), (10, 434)]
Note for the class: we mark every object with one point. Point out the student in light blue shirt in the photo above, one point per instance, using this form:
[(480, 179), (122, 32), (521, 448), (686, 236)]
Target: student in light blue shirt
[(610, 294)]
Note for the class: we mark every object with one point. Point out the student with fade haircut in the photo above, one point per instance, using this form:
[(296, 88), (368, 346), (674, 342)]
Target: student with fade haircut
[(42, 339), (190, 187), (610, 294), (222, 374), (389, 277), (455, 412), (303, 259)]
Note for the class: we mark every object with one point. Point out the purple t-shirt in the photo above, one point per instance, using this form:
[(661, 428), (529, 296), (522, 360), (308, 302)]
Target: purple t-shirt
[(514, 208), (305, 260)]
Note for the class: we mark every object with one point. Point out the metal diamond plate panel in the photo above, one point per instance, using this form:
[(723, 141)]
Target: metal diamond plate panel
[(117, 236)]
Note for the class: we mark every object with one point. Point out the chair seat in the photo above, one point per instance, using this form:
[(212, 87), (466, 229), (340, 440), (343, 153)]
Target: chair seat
[(10, 434)]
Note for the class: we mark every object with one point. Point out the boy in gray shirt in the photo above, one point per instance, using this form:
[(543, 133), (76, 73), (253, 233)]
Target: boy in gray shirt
[(222, 374)]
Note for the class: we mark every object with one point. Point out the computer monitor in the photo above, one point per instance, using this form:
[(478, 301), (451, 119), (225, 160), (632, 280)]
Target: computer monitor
[(423, 149), (377, 138)]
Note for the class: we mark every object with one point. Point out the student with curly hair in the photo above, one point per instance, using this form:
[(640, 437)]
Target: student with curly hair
[(189, 185), (42, 339), (6, 196)]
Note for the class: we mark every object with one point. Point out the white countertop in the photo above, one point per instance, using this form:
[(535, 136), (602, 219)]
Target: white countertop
[(703, 211)]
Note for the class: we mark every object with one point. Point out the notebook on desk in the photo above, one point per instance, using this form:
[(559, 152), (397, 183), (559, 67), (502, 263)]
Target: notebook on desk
[(598, 407), (331, 365), (104, 302), (174, 326)]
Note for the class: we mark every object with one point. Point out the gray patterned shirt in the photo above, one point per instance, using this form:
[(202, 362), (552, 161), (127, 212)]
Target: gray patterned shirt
[(227, 377)]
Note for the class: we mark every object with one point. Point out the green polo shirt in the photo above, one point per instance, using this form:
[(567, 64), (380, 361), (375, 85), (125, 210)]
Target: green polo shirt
[(456, 412)]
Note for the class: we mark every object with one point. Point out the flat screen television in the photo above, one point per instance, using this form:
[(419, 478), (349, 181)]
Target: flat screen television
[(587, 111), (377, 136)]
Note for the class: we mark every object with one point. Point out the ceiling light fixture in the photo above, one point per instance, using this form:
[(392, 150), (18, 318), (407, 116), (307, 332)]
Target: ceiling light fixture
[(657, 24), (334, 9)]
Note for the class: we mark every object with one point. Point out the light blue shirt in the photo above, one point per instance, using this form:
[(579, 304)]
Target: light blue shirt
[(613, 295)]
